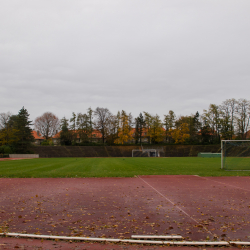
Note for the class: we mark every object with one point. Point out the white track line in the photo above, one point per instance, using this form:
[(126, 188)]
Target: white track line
[(175, 205), (222, 183), (156, 237), (159, 242)]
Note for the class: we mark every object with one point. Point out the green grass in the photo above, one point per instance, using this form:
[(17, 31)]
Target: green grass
[(235, 163), (114, 167)]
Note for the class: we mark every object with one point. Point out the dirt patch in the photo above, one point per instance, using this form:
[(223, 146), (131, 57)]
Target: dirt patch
[(12, 159)]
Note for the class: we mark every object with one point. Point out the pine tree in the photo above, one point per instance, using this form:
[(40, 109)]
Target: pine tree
[(73, 127), (23, 132), (90, 119), (139, 126), (65, 135)]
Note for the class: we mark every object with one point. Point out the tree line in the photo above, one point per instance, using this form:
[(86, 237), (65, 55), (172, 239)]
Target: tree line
[(15, 132), (227, 121)]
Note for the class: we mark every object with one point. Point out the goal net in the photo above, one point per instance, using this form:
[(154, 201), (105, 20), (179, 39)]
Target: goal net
[(235, 154), (145, 153)]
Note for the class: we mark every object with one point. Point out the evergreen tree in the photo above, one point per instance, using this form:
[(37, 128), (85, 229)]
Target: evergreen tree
[(139, 126), (84, 124), (194, 127), (73, 121), (148, 122), (23, 132), (65, 135), (90, 119)]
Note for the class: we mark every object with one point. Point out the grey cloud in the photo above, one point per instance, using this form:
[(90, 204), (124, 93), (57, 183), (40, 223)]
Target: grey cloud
[(141, 55)]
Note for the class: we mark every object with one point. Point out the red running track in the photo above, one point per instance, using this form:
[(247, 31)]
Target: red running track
[(198, 208)]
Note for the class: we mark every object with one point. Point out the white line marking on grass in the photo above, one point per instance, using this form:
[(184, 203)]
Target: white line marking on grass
[(223, 183), (175, 205)]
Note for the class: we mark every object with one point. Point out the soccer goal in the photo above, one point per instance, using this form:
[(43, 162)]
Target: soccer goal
[(235, 154), (145, 153)]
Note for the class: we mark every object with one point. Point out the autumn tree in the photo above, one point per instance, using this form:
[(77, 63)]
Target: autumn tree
[(169, 123), (228, 113), (4, 119), (180, 134), (125, 128), (147, 120), (48, 124), (156, 131), (113, 128), (82, 126), (7, 130), (213, 120), (102, 118), (243, 117)]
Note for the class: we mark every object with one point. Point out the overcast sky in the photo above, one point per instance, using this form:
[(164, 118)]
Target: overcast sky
[(136, 55)]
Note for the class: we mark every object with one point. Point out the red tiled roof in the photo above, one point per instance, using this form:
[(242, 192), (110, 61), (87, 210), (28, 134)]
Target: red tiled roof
[(248, 134), (145, 130), (94, 132), (36, 136), (57, 135)]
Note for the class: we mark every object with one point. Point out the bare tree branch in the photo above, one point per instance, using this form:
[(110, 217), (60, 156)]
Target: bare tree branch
[(102, 119), (47, 124)]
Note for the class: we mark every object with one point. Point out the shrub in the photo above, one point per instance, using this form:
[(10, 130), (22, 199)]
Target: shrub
[(5, 149), (4, 156), (47, 143)]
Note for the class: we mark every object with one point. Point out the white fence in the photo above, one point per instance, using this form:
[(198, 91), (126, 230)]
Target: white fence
[(24, 156)]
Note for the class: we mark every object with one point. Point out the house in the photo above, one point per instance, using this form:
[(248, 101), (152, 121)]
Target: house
[(38, 137), (247, 134), (145, 135), (56, 138), (96, 137)]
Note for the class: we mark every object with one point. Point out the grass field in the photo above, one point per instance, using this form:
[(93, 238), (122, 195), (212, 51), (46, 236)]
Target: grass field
[(234, 163), (113, 167)]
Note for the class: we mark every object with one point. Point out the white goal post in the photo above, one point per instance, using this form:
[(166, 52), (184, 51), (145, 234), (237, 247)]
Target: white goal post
[(235, 155), (145, 153)]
